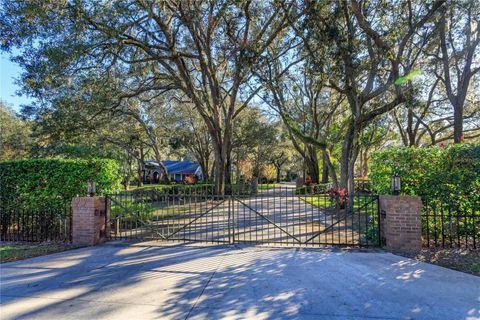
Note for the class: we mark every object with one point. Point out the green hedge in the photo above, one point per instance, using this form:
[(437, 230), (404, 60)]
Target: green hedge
[(45, 183), (451, 174)]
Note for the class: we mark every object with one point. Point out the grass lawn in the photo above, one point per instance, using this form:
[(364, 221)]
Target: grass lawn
[(148, 187), (17, 251), (319, 200), (173, 210), (266, 186), (323, 200), (158, 211)]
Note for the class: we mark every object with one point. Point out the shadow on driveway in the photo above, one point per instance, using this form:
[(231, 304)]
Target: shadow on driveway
[(177, 281)]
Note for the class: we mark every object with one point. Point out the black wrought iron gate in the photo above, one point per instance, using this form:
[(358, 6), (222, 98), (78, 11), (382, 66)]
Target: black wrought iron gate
[(275, 216)]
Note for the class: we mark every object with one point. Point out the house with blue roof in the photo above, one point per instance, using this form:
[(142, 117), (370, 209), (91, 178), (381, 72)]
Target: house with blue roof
[(178, 171)]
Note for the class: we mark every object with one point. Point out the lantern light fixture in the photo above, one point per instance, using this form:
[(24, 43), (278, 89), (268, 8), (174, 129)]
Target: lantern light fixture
[(91, 188), (396, 186)]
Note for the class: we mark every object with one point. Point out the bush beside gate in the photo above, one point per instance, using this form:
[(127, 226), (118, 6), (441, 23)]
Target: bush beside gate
[(35, 195), (49, 183), (447, 179), (451, 172)]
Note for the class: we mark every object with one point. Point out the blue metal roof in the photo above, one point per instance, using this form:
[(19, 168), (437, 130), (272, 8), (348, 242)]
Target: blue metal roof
[(179, 167)]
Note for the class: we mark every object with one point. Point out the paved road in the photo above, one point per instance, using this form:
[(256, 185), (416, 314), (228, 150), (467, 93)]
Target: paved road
[(147, 281)]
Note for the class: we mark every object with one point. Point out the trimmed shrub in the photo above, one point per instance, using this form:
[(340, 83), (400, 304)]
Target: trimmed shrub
[(414, 166), (46, 183), (321, 188), (451, 173)]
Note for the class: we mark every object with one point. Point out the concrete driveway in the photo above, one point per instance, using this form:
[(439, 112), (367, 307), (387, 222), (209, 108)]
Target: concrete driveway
[(153, 281)]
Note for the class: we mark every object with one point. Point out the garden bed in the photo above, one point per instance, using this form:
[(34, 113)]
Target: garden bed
[(12, 251), (463, 260)]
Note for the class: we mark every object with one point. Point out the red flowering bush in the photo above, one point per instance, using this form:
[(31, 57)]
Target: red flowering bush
[(341, 194)]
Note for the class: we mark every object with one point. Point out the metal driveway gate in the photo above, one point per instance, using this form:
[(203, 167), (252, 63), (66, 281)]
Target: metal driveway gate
[(281, 216)]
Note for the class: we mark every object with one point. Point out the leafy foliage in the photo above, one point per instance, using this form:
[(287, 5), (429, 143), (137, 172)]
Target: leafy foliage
[(408, 77), (14, 137), (412, 165), (47, 183), (450, 173), (293, 126), (268, 172), (133, 210)]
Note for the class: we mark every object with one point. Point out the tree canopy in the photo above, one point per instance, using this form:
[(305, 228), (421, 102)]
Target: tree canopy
[(244, 84)]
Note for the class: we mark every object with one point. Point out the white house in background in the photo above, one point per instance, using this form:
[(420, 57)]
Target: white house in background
[(177, 170)]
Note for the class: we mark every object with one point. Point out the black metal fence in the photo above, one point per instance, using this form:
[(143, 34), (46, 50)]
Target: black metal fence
[(277, 215), (450, 224), (157, 215), (35, 225)]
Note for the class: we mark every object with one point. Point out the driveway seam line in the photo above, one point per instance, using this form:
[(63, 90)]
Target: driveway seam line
[(205, 287)]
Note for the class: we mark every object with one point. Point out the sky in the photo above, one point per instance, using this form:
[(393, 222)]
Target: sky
[(8, 72)]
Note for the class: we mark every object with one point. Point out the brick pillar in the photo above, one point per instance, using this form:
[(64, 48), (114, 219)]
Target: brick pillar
[(89, 219), (400, 222)]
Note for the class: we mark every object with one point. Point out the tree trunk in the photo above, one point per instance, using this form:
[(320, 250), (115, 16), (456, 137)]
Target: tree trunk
[(206, 174), (330, 168), (351, 176), (204, 170), (220, 171), (324, 170), (351, 183), (237, 169), (228, 166), (410, 129), (346, 155), (311, 162), (278, 173), (160, 164), (222, 155), (365, 163), (360, 165), (202, 160), (304, 169), (458, 123), (214, 168), (140, 173), (222, 148), (140, 168)]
